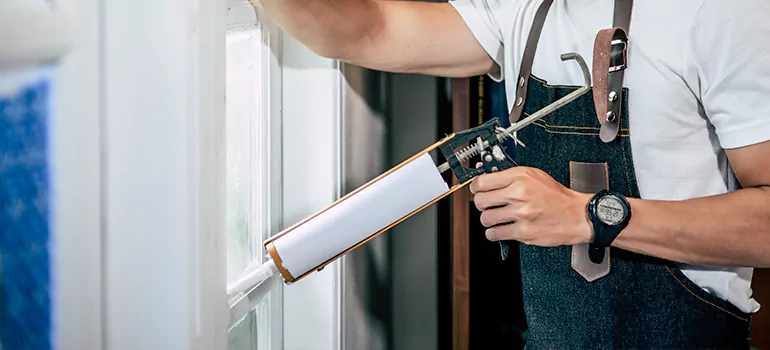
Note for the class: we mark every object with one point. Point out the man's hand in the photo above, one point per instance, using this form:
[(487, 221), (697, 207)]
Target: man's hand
[(527, 205)]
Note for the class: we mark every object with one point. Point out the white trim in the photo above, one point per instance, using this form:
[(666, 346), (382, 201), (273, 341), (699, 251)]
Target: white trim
[(47, 33), (274, 36), (311, 155), (76, 264), (241, 15), (151, 142), (209, 256), (340, 87)]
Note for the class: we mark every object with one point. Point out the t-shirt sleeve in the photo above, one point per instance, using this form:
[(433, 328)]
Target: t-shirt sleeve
[(728, 54), (479, 15)]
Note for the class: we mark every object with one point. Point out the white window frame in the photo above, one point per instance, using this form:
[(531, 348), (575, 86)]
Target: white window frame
[(242, 15), (309, 167), (139, 134), (313, 91)]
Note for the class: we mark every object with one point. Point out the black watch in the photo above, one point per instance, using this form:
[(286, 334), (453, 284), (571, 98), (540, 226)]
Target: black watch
[(609, 213)]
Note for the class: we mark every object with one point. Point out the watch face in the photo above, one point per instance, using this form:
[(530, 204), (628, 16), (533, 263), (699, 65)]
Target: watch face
[(610, 210)]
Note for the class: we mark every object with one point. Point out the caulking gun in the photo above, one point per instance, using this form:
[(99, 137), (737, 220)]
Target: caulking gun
[(391, 198)]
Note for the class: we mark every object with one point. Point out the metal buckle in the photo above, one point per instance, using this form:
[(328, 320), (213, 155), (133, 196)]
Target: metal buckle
[(623, 65)]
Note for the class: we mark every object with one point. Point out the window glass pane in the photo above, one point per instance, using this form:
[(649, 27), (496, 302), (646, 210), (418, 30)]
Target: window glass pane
[(247, 334), (245, 144), (240, 337)]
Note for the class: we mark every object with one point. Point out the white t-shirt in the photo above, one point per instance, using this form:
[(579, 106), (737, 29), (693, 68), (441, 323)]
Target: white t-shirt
[(699, 81)]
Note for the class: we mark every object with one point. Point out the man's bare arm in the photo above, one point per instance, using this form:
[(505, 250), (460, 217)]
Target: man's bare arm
[(393, 36), (729, 230), (726, 230)]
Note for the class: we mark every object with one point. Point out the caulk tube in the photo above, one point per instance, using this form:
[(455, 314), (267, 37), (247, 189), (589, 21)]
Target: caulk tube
[(359, 216), (356, 218), (349, 222)]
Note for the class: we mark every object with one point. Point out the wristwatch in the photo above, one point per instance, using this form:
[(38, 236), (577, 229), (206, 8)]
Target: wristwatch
[(609, 213)]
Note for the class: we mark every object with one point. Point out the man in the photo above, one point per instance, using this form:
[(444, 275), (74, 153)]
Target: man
[(683, 150)]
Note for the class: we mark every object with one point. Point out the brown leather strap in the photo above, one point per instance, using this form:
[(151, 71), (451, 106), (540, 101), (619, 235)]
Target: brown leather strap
[(609, 64), (589, 261), (526, 62), (622, 17), (608, 68)]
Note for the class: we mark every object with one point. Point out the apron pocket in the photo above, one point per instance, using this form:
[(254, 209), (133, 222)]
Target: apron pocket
[(701, 296)]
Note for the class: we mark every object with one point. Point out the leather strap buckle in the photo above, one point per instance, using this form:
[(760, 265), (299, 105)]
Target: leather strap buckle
[(610, 61), (619, 53)]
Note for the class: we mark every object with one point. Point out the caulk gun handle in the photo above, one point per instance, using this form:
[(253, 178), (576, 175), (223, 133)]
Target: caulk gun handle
[(495, 159)]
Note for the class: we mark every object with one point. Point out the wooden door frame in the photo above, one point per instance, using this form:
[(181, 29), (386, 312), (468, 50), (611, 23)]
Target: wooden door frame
[(461, 114)]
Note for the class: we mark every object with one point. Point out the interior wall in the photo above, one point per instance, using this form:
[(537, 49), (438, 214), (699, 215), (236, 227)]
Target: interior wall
[(366, 271), (390, 285), (414, 254)]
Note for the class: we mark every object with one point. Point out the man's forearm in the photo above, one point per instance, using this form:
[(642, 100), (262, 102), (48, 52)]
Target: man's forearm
[(720, 231), (330, 28)]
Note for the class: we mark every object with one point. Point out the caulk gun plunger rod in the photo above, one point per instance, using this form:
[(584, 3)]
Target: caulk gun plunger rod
[(541, 113)]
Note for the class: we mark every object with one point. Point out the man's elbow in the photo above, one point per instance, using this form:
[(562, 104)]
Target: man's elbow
[(330, 51), (351, 41)]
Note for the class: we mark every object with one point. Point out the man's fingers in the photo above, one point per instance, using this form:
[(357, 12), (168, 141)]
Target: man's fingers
[(497, 216), (516, 231), (500, 233), (513, 211), (490, 182), (491, 199), (498, 180)]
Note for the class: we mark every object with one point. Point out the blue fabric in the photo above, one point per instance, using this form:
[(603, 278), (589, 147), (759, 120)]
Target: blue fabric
[(643, 303), (25, 304)]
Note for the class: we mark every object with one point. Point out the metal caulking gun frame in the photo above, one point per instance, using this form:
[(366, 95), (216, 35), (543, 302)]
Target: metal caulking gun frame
[(484, 140)]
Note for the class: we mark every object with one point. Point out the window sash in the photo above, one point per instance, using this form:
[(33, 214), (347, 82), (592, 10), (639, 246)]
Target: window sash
[(242, 15)]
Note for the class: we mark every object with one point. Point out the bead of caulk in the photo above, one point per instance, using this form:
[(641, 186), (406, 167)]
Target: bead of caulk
[(488, 158)]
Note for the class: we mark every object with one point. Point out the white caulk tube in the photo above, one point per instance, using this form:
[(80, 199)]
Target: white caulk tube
[(350, 222)]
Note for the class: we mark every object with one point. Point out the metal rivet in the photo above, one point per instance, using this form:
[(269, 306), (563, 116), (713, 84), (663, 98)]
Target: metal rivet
[(488, 158), (494, 169), (613, 96), (610, 116), (519, 101), (521, 81)]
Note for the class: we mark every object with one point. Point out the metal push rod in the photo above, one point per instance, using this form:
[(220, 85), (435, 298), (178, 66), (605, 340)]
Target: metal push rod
[(508, 133)]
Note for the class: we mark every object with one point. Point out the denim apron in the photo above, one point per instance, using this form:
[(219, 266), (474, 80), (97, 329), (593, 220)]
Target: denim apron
[(643, 302)]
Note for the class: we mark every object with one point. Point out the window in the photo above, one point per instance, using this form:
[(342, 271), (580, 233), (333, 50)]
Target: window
[(245, 148), (281, 101), (252, 172)]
